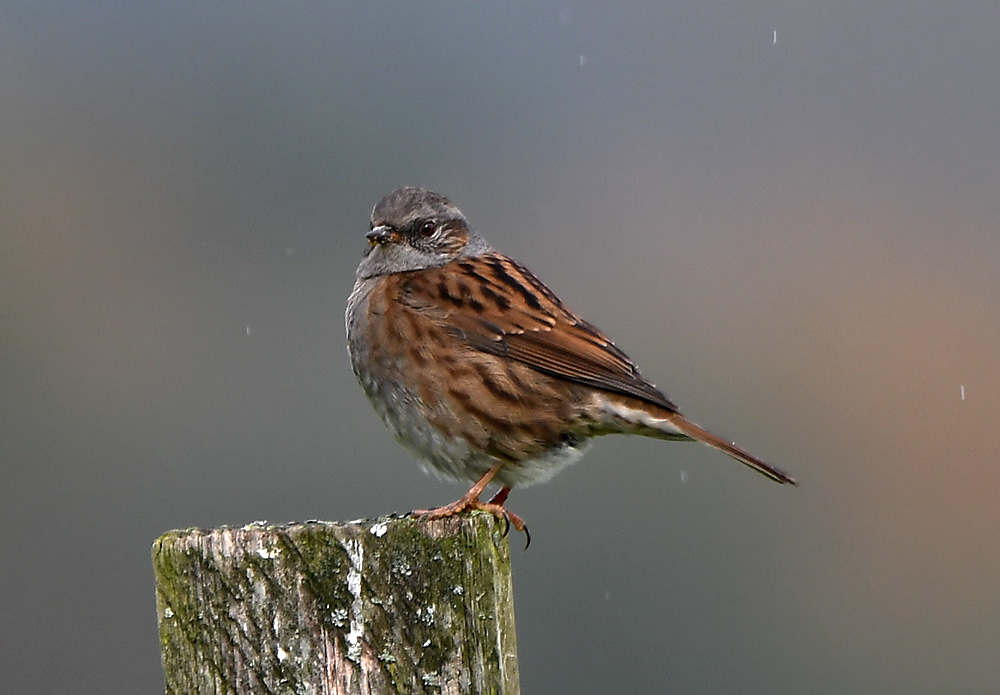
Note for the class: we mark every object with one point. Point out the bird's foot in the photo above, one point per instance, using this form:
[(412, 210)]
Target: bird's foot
[(470, 503)]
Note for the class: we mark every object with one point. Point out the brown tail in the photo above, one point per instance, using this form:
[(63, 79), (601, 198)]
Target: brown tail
[(695, 432)]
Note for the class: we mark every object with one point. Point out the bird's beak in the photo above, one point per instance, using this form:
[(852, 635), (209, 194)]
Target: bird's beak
[(381, 235)]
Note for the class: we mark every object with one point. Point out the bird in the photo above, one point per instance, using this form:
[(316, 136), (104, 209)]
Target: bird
[(480, 370)]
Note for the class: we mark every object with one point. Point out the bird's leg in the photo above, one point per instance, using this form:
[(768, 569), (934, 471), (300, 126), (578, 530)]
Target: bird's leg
[(513, 519), (497, 501), (501, 496), (470, 502)]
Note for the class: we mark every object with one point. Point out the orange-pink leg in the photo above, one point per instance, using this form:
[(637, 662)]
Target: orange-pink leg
[(470, 502)]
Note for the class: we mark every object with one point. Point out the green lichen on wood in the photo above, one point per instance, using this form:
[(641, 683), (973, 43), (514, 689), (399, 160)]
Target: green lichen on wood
[(394, 604)]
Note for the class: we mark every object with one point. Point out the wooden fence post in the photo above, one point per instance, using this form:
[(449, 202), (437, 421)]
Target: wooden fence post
[(391, 605)]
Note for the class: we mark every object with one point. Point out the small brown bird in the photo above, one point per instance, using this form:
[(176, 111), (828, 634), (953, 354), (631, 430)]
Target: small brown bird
[(479, 369)]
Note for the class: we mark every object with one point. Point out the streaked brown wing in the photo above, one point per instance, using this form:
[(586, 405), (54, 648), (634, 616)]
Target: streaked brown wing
[(500, 307)]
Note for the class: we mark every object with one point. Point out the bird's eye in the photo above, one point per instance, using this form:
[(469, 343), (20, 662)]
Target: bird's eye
[(428, 228)]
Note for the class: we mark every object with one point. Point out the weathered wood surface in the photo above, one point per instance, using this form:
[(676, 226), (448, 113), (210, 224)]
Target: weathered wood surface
[(390, 605)]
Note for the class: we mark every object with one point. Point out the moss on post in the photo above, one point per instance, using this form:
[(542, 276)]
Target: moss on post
[(391, 605)]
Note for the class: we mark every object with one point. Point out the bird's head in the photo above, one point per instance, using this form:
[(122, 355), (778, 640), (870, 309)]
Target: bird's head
[(415, 229)]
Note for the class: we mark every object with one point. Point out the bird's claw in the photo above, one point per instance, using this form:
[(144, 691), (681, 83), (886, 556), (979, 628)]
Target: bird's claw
[(508, 517)]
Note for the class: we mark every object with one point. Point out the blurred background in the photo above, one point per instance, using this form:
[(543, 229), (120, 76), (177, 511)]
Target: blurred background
[(788, 213)]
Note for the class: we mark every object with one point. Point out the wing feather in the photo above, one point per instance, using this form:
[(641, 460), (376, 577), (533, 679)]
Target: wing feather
[(498, 306)]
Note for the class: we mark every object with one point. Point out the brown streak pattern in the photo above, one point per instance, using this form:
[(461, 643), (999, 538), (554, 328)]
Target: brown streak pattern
[(516, 411), (526, 322)]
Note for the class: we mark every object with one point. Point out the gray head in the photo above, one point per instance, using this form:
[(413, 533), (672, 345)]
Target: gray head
[(414, 229)]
